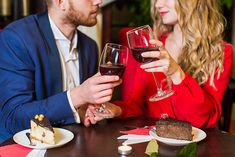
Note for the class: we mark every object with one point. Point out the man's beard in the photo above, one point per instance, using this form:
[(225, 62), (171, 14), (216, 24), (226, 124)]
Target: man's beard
[(76, 18)]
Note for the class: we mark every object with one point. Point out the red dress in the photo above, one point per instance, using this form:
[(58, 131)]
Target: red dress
[(199, 105)]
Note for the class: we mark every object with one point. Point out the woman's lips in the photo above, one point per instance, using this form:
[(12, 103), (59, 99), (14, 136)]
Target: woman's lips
[(162, 13)]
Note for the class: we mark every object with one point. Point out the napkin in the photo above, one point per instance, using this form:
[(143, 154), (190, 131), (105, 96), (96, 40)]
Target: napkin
[(14, 150), (37, 153), (135, 141), (139, 131), (137, 135), (131, 136)]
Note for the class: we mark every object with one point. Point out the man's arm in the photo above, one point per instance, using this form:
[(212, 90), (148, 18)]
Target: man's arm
[(23, 89)]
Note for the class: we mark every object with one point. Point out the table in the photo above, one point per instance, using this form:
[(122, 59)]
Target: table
[(101, 141)]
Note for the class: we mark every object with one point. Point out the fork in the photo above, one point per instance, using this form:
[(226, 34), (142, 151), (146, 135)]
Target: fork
[(30, 141)]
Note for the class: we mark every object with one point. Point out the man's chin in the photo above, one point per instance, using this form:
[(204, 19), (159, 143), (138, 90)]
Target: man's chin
[(89, 24)]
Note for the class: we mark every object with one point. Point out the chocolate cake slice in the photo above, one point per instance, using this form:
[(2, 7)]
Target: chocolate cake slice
[(176, 129), (41, 130)]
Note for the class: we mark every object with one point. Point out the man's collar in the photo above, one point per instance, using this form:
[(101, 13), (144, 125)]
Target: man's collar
[(57, 33)]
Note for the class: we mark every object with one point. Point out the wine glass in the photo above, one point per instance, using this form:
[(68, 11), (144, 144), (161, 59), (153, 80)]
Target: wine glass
[(113, 59), (139, 42)]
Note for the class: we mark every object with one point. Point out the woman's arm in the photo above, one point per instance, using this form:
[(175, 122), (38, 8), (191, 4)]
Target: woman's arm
[(202, 105)]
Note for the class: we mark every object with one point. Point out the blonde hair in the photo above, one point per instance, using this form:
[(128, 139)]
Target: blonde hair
[(202, 26)]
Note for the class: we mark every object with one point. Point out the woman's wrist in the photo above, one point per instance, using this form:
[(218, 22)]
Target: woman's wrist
[(178, 76), (118, 111)]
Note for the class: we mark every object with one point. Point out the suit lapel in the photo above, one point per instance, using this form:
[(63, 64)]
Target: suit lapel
[(53, 54), (83, 65)]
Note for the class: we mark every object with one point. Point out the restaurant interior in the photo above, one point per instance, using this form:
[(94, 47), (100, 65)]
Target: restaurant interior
[(117, 16)]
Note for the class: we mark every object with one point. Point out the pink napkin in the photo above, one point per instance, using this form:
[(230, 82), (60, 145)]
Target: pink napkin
[(139, 131), (14, 150)]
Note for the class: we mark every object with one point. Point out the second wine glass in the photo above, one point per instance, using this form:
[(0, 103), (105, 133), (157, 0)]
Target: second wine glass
[(139, 42)]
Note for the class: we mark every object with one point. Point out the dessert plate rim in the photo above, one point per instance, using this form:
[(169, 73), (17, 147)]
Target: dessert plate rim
[(62, 136), (198, 135)]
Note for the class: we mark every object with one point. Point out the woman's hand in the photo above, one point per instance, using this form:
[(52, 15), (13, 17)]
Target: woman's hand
[(164, 63), (97, 113)]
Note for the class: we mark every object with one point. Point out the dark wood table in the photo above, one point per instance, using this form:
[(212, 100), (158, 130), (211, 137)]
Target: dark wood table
[(101, 141)]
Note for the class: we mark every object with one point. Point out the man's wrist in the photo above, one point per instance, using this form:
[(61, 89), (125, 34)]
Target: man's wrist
[(73, 108), (76, 98)]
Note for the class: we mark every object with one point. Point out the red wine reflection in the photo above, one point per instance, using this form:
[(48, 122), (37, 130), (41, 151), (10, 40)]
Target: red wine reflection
[(137, 51)]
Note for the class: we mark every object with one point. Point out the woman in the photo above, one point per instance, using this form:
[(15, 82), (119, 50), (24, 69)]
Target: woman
[(195, 58)]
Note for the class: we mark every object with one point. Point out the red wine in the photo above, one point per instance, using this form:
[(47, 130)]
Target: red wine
[(137, 51), (112, 69)]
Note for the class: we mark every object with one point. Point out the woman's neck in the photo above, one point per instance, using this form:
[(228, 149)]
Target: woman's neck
[(177, 36), (174, 42)]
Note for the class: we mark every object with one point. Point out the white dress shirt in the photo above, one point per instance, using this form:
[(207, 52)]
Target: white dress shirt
[(69, 63)]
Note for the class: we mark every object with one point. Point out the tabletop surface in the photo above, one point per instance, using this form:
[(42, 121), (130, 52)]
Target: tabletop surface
[(100, 140)]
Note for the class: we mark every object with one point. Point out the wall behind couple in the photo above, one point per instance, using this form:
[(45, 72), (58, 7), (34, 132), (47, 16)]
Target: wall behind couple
[(11, 10)]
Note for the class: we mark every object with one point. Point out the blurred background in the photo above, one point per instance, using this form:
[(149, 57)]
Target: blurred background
[(117, 15)]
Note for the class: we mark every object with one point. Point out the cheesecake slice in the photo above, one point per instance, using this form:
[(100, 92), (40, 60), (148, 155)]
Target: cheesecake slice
[(41, 130)]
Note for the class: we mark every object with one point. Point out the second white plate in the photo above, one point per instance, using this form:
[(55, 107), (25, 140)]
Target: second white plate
[(198, 135), (62, 136)]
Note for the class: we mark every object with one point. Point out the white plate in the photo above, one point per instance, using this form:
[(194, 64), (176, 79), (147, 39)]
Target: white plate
[(62, 137), (198, 135)]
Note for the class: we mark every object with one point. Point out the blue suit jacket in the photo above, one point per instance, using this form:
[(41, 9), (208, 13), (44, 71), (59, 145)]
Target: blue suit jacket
[(30, 73)]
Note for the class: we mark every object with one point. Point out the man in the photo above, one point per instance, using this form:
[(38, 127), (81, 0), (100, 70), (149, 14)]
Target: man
[(47, 67)]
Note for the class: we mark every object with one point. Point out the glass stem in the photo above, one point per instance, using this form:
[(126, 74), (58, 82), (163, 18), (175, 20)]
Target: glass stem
[(158, 85)]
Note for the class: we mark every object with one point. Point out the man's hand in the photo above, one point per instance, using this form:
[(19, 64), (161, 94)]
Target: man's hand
[(95, 90)]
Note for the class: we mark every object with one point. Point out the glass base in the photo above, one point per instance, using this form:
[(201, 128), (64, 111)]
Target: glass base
[(161, 95)]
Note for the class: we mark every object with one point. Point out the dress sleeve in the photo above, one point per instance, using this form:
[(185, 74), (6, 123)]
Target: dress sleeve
[(202, 105)]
